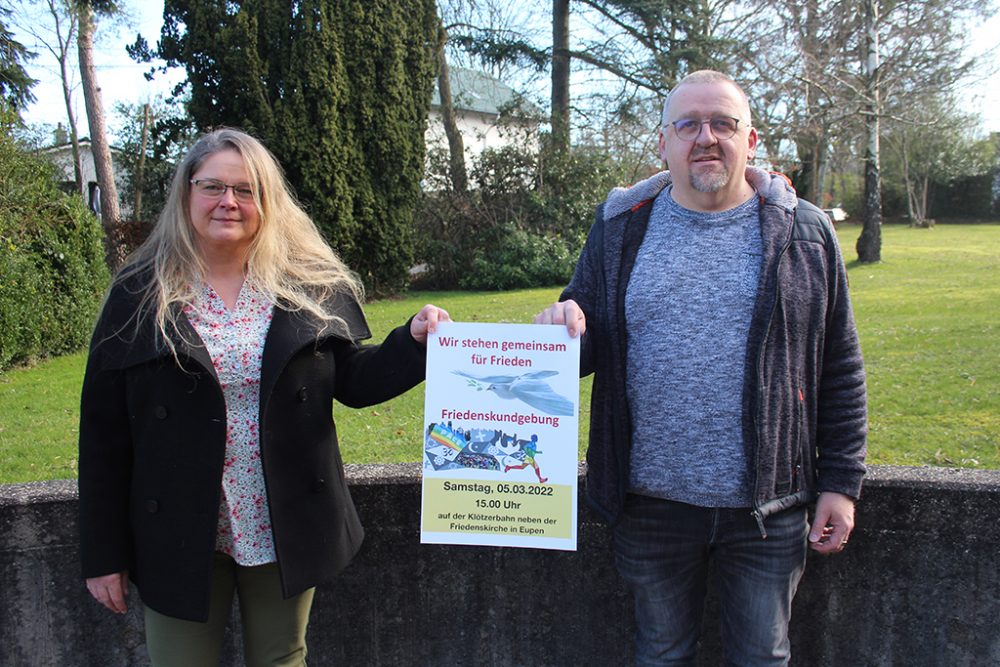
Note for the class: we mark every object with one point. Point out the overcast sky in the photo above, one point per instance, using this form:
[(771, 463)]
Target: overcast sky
[(121, 80)]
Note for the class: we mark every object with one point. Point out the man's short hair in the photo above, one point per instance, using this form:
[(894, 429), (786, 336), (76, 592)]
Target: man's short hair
[(702, 76)]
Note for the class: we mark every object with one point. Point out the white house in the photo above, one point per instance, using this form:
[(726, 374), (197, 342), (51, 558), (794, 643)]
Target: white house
[(61, 155), (477, 99)]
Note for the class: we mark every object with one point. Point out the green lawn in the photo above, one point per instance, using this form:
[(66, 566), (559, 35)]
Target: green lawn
[(929, 329), (929, 318)]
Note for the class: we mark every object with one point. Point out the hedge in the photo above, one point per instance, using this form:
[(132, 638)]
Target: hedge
[(52, 270)]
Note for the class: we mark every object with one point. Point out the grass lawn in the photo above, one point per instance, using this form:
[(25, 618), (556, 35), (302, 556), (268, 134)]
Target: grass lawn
[(929, 320), (929, 329)]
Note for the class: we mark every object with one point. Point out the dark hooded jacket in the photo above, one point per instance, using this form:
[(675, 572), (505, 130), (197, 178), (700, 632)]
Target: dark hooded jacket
[(804, 399), (153, 438)]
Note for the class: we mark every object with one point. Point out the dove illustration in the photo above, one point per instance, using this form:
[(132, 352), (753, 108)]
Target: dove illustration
[(528, 388)]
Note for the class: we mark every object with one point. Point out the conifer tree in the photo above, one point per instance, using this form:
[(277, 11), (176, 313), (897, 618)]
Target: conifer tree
[(339, 91)]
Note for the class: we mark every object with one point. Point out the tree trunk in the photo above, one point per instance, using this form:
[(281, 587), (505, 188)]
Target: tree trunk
[(822, 170), (140, 169), (911, 204), (456, 146), (74, 135), (810, 139), (869, 245), (927, 221), (110, 213), (560, 75), (61, 52)]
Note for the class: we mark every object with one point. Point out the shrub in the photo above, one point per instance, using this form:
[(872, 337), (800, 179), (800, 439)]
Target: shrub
[(52, 270), (524, 223), (518, 259)]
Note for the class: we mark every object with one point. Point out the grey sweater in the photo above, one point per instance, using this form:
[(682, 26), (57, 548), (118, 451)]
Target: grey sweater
[(687, 308)]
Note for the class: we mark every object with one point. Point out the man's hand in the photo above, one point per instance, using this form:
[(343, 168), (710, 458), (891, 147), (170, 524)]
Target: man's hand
[(564, 312), (833, 523), (110, 590)]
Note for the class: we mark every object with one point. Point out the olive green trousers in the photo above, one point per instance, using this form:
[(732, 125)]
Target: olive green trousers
[(274, 629)]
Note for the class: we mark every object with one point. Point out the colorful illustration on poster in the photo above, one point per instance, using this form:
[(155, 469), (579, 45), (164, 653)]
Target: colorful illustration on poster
[(449, 447)]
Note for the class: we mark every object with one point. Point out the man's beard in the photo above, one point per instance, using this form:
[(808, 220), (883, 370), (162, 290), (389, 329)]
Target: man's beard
[(709, 181)]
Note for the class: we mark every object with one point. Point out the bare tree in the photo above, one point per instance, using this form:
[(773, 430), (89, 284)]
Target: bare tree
[(59, 39), (456, 146), (140, 167), (110, 212), (560, 75), (825, 73), (939, 147), (869, 244)]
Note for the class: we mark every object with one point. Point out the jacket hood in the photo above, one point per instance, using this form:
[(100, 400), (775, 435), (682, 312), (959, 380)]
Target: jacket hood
[(773, 188)]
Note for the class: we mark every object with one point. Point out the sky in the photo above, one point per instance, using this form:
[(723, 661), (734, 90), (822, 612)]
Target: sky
[(122, 80)]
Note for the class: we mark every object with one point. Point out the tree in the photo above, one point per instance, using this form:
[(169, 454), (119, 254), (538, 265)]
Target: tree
[(99, 146), (869, 244), (632, 51), (149, 165), (560, 74), (59, 38), (651, 44), (15, 84), (935, 150), (914, 50), (791, 56), (457, 174), (825, 74), (339, 91)]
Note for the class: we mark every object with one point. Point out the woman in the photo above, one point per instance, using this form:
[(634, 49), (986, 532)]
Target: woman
[(208, 453)]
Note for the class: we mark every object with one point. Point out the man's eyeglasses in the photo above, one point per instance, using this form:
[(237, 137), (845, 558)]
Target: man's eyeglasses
[(723, 127), (215, 189)]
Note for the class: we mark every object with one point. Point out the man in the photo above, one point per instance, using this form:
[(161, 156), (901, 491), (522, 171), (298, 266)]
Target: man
[(729, 388)]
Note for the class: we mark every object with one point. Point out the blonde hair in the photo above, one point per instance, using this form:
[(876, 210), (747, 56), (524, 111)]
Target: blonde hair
[(700, 77), (288, 259)]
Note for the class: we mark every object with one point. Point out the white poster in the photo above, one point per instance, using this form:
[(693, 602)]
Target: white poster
[(501, 417)]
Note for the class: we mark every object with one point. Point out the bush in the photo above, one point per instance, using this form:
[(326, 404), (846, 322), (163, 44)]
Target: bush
[(518, 259), (522, 225), (52, 270)]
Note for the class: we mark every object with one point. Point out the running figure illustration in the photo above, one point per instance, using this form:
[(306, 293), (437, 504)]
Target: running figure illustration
[(530, 450)]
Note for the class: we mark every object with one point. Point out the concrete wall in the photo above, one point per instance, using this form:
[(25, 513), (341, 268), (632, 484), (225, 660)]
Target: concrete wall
[(918, 585)]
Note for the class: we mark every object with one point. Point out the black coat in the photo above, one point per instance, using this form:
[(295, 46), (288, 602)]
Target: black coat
[(152, 443)]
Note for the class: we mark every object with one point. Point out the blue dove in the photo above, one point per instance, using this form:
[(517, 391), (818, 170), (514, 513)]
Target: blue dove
[(528, 388)]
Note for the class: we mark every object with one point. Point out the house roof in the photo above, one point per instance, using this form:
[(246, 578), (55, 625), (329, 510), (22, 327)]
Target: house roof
[(475, 91), (68, 146)]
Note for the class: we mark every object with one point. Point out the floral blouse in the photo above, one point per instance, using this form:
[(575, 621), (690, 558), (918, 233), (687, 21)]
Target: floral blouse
[(235, 341)]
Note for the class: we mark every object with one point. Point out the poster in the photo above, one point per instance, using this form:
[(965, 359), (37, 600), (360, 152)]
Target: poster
[(501, 416)]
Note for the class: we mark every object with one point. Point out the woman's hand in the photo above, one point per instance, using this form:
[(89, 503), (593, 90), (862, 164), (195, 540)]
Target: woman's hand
[(426, 321), (110, 590)]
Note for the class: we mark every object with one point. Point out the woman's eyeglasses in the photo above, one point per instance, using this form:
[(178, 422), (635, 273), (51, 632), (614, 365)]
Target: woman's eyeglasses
[(215, 189)]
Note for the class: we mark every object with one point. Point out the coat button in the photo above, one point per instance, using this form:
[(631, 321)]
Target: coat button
[(152, 506), (302, 395), (318, 485), (160, 411)]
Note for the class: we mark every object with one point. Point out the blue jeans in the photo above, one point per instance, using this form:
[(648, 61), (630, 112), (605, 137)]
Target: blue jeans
[(663, 548)]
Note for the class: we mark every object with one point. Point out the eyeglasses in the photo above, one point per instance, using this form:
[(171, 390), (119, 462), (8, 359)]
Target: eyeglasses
[(723, 127), (215, 189)]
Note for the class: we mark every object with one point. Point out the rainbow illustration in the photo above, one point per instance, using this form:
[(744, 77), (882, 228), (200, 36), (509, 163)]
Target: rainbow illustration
[(445, 436)]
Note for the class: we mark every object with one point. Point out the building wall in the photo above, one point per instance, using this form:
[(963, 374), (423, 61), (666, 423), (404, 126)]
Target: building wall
[(62, 158), (479, 132)]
